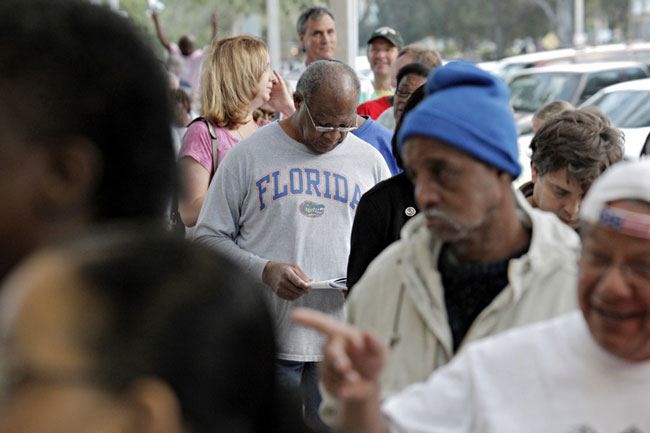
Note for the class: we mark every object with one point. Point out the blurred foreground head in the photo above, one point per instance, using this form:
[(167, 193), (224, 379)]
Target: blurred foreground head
[(84, 123), (132, 331)]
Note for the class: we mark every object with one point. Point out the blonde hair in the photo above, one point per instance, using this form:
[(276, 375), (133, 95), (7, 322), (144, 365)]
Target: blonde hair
[(232, 69)]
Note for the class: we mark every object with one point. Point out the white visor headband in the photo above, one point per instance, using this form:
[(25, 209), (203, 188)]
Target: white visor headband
[(624, 221), (622, 181)]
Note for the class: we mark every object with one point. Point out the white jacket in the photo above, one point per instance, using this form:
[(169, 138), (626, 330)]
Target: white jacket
[(414, 325)]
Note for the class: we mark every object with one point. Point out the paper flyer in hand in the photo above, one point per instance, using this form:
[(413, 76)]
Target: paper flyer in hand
[(335, 283)]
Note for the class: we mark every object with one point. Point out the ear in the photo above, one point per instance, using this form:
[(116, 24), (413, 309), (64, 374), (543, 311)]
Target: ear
[(297, 100), (505, 177), (534, 172), (71, 172), (155, 407), (536, 124)]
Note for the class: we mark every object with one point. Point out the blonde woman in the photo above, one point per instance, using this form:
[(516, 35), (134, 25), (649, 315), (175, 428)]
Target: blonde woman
[(237, 79)]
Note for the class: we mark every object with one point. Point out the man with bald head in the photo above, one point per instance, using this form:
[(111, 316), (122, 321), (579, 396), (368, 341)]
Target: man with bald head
[(282, 205)]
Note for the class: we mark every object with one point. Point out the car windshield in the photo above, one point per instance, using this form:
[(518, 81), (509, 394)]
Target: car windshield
[(531, 92), (625, 109), (508, 71)]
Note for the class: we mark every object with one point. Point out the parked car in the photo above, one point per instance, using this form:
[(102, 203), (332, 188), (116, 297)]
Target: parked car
[(507, 67), (533, 88), (628, 107)]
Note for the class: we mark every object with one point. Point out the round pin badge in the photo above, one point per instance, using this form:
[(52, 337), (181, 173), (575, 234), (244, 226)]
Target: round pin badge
[(410, 211)]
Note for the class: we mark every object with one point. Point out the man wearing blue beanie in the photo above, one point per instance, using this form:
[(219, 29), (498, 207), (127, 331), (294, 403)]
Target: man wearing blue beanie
[(478, 259)]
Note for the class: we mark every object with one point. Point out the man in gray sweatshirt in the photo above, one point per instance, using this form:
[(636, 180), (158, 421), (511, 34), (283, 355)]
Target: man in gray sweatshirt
[(282, 205)]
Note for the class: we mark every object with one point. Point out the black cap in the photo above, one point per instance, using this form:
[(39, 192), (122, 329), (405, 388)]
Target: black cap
[(390, 34)]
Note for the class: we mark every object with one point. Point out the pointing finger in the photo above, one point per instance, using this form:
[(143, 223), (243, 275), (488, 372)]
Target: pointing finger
[(324, 324)]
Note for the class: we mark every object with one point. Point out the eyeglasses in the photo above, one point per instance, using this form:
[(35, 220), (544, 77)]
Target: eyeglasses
[(329, 128), (403, 93), (636, 274)]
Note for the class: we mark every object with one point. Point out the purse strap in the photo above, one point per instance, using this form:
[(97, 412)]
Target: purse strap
[(213, 136)]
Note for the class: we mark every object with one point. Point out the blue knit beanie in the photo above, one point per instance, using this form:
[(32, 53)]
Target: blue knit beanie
[(469, 109)]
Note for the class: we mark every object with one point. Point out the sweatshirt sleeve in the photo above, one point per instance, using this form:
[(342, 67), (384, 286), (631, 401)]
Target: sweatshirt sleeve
[(218, 223)]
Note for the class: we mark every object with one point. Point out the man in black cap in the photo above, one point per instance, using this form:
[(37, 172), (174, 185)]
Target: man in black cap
[(383, 46)]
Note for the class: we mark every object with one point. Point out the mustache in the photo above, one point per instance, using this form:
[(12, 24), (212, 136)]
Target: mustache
[(437, 213)]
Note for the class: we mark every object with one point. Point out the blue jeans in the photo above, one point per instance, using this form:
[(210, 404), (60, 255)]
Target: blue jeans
[(302, 377)]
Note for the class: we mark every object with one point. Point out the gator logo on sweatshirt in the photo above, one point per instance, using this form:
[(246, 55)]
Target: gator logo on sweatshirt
[(311, 209)]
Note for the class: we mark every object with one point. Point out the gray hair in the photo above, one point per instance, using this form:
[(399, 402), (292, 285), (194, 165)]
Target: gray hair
[(326, 71), (421, 54), (312, 13), (551, 109)]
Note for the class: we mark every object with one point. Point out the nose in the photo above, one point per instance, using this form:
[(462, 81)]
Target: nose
[(334, 136), (427, 192), (572, 207), (613, 285)]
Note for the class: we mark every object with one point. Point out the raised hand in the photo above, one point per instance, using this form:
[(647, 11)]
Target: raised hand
[(281, 100)]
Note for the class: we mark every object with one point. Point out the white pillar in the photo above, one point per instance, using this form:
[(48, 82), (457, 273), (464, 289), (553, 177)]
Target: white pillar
[(273, 32), (346, 13), (579, 36)]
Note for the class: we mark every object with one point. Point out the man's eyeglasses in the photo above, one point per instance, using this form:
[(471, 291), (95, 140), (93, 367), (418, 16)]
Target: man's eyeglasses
[(329, 128), (636, 273)]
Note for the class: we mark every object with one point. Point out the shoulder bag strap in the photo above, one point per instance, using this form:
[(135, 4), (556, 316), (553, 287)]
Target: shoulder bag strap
[(215, 148), (213, 136)]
